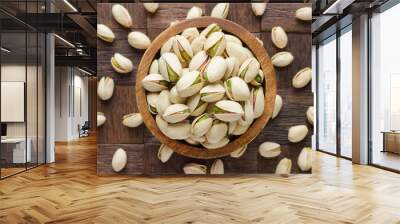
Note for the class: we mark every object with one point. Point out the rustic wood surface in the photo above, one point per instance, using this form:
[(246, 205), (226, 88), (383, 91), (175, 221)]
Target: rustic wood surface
[(295, 101)]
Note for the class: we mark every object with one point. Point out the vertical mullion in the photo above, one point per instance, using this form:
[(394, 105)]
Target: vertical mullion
[(37, 90), (0, 90), (369, 101), (338, 73), (26, 87), (317, 96)]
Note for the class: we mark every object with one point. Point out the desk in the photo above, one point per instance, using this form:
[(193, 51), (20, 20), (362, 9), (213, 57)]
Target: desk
[(391, 141), (16, 147)]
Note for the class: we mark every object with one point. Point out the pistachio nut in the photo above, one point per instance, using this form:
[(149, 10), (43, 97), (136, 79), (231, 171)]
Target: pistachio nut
[(194, 12), (277, 106), (237, 51), (190, 33), (164, 153), (161, 124), (192, 141), (151, 7), (269, 149), (167, 46), (239, 152), (259, 79), (154, 67), (101, 119), (305, 159), (197, 139), (199, 61), (119, 160), (198, 44), (189, 84), (279, 37), (302, 78), (304, 13), (248, 116), (212, 92), (217, 145), (105, 88), (213, 27), (170, 67), (174, 96), (176, 113), (284, 167), (257, 100), (154, 83), (232, 67), (217, 167), (220, 10), (139, 40), (194, 168), (232, 126), (178, 131), (172, 23), (258, 8), (240, 129), (217, 132), (233, 39), (248, 52), (310, 114), (227, 110), (297, 133), (249, 69), (163, 101), (260, 41), (237, 89), (121, 15), (152, 102), (105, 33), (282, 59), (132, 120), (201, 125), (182, 49), (196, 105), (121, 64), (215, 70), (215, 44)]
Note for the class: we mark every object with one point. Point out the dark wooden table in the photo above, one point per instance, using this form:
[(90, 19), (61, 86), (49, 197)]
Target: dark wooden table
[(142, 147)]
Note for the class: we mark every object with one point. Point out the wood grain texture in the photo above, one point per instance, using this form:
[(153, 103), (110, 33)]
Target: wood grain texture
[(69, 191), (296, 101)]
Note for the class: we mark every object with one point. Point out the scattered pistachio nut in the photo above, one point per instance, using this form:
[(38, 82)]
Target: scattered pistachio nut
[(284, 167), (220, 10), (297, 133), (121, 15), (105, 88), (105, 33), (310, 114), (121, 64), (139, 40), (305, 159), (304, 14), (194, 168), (194, 12), (258, 8), (239, 152), (132, 120), (151, 7), (217, 167), (279, 37), (282, 59), (269, 149), (277, 106), (302, 78), (164, 153), (119, 160), (101, 119)]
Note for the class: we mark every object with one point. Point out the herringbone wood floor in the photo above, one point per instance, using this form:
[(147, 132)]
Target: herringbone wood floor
[(70, 192)]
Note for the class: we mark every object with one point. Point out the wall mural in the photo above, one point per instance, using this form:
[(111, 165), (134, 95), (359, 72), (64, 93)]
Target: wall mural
[(204, 88)]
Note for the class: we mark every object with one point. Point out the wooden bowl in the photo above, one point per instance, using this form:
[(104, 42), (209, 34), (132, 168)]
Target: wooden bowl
[(259, 52)]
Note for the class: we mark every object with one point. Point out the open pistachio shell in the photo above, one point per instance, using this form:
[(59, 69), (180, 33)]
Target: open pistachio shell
[(212, 92), (139, 40), (234, 39), (101, 119), (215, 44), (197, 139), (302, 78), (164, 153), (282, 59), (217, 132), (217, 167), (167, 46), (284, 167), (277, 106), (152, 102), (196, 105), (279, 37), (154, 67), (248, 116), (121, 64), (215, 70), (192, 141), (259, 79), (237, 89), (198, 44), (227, 110), (121, 15), (269, 149), (219, 144), (182, 49), (305, 159), (239, 152), (201, 125), (105, 88), (190, 33), (240, 129), (297, 133), (178, 131), (194, 12), (119, 160), (310, 114), (257, 100), (232, 67), (199, 61), (213, 27), (151, 7), (174, 96), (195, 169), (176, 113), (220, 10), (249, 69), (189, 84), (170, 67), (161, 124), (237, 51), (258, 8), (105, 33), (232, 126), (154, 83), (163, 101)]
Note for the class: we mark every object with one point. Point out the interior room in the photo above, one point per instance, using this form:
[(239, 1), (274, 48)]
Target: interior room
[(199, 112)]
